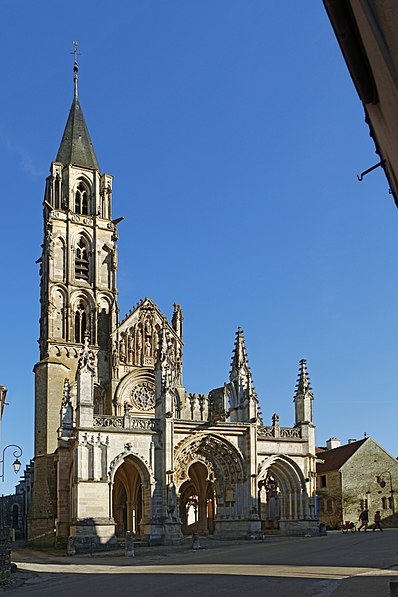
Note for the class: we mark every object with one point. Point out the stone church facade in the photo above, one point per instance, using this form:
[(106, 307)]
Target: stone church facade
[(120, 444)]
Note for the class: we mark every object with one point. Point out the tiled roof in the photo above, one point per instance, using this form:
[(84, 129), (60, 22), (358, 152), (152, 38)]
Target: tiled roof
[(334, 459)]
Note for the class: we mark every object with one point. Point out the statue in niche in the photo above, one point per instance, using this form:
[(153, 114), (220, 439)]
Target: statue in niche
[(179, 368), (122, 348), (115, 361), (172, 501), (148, 347), (139, 346), (129, 347), (148, 328), (156, 340)]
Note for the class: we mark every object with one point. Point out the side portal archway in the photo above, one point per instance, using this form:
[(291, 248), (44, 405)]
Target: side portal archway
[(283, 501), (130, 497)]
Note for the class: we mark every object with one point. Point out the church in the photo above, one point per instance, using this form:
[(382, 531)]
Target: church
[(120, 444)]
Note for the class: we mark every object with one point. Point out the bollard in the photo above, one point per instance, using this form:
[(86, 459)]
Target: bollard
[(196, 541), (129, 549), (322, 529)]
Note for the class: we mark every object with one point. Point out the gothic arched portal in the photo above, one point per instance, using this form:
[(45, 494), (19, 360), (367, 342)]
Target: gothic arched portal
[(129, 505), (197, 501), (210, 477), (282, 494)]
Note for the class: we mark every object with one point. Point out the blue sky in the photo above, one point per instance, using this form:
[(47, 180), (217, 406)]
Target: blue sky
[(234, 135)]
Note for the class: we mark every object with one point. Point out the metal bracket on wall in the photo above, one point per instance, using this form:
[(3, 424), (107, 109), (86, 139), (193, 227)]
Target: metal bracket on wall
[(360, 176)]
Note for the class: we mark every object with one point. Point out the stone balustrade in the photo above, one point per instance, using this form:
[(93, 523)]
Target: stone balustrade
[(126, 422), (279, 432)]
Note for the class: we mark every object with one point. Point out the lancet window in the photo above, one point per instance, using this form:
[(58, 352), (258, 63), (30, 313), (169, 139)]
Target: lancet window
[(82, 199), (82, 260), (80, 322)]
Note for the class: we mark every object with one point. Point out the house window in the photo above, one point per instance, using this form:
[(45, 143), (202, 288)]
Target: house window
[(323, 480), (81, 199), (330, 506), (81, 262)]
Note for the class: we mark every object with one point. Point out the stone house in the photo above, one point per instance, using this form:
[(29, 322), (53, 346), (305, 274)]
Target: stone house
[(14, 508), (120, 444), (352, 477)]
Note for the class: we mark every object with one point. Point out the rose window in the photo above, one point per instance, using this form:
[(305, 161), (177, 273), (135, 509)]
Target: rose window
[(143, 397)]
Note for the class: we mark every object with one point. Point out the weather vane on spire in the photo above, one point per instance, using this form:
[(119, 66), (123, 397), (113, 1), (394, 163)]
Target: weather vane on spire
[(75, 65)]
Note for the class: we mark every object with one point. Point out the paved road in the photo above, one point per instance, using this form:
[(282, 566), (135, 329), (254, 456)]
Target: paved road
[(360, 564)]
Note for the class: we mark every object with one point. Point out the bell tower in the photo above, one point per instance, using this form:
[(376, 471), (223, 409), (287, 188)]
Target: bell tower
[(78, 297)]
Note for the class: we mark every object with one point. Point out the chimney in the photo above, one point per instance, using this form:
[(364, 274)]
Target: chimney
[(352, 440), (333, 443)]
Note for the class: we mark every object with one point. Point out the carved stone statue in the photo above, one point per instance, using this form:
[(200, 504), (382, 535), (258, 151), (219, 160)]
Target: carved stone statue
[(122, 348), (115, 360), (87, 357), (148, 347), (139, 346), (177, 319), (172, 501)]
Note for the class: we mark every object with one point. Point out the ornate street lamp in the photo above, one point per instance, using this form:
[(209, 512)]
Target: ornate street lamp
[(16, 464), (382, 483)]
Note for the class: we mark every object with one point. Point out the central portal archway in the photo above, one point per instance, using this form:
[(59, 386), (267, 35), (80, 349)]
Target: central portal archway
[(128, 503), (209, 476), (197, 501)]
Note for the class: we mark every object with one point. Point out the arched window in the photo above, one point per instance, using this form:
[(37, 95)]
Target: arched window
[(82, 199), (82, 262), (98, 401), (80, 322)]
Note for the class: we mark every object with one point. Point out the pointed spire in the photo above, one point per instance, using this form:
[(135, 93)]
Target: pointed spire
[(76, 147), (303, 396), (243, 398), (303, 386), (239, 356)]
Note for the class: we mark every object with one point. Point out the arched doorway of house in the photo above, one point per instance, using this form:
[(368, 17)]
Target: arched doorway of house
[(128, 507), (197, 501)]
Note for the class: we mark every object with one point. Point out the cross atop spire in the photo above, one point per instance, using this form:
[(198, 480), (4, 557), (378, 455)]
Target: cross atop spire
[(76, 147), (75, 66)]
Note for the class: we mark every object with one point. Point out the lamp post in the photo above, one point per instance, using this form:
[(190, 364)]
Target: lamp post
[(382, 483), (16, 464)]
